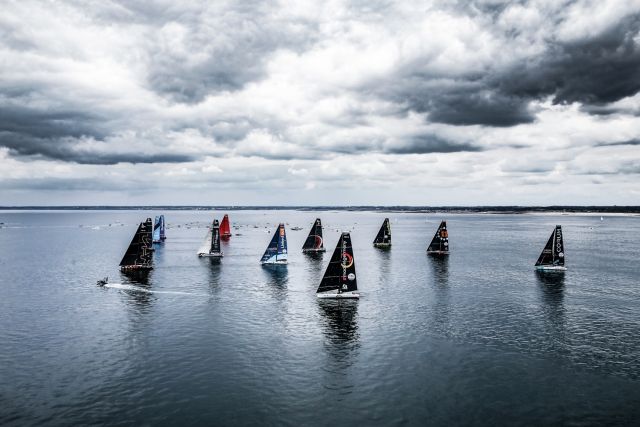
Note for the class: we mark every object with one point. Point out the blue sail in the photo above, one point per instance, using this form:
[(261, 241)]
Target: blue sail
[(276, 252), (162, 235), (156, 230)]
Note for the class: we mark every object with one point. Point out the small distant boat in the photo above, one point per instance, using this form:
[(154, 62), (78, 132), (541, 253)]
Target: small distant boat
[(103, 282), (339, 280), (601, 218), (383, 238), (158, 230), (211, 246), (276, 253), (552, 256), (440, 243), (139, 254), (296, 228), (225, 227), (314, 242)]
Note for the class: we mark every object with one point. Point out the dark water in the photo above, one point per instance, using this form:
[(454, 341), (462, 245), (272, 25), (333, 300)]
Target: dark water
[(478, 339)]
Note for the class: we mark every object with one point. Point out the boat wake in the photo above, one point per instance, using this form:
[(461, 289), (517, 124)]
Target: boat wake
[(146, 291)]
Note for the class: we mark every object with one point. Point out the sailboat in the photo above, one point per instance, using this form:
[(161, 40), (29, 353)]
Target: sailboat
[(163, 236), (314, 242), (211, 246), (276, 253), (383, 238), (339, 280), (440, 243), (139, 255), (225, 227), (552, 256), (158, 230)]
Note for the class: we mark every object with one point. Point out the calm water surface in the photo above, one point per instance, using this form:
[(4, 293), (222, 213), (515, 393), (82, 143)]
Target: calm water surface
[(478, 339)]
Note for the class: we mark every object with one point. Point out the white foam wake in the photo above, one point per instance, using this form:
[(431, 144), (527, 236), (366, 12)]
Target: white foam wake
[(146, 291)]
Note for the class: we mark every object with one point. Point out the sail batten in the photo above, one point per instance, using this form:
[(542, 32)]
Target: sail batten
[(552, 256), (440, 243), (314, 242), (276, 252), (139, 254), (383, 238), (339, 280)]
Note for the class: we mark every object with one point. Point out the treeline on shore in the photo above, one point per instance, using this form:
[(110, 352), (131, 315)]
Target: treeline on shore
[(417, 209)]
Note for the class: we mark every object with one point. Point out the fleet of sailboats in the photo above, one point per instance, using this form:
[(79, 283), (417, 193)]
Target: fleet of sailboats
[(339, 279)]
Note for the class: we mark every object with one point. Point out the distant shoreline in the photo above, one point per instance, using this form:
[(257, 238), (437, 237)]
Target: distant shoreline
[(416, 209)]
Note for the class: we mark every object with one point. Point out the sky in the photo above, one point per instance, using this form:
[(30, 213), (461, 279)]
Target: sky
[(367, 102)]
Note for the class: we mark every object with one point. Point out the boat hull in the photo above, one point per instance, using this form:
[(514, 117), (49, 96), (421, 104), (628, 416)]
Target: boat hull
[(126, 268), (313, 251), (336, 295), (551, 268), (437, 252), (208, 255), (268, 263), (382, 245)]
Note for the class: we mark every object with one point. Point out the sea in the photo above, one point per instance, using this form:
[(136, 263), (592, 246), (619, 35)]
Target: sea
[(478, 338)]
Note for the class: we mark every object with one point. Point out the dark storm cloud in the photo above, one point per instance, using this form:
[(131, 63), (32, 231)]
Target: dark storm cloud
[(26, 124), (594, 71), (610, 144), (61, 184), (425, 144)]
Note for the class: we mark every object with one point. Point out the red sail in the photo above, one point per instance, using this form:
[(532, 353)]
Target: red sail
[(225, 228)]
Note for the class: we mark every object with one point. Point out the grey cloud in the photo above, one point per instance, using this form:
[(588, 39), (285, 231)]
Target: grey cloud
[(594, 71), (425, 144), (223, 47), (628, 142)]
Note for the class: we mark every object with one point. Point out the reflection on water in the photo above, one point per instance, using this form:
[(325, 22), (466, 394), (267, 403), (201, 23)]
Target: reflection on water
[(383, 258), (440, 268), (139, 278), (442, 304), (551, 286), (314, 262), (340, 329), (339, 320), (213, 267), (276, 277)]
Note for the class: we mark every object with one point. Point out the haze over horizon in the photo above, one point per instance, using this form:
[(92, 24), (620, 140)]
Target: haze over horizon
[(338, 103)]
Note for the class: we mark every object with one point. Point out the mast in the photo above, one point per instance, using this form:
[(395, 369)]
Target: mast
[(276, 252), (383, 238), (339, 280), (552, 256), (225, 227), (314, 242), (139, 255), (440, 243)]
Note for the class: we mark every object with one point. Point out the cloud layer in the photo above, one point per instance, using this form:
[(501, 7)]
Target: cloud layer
[(345, 102)]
